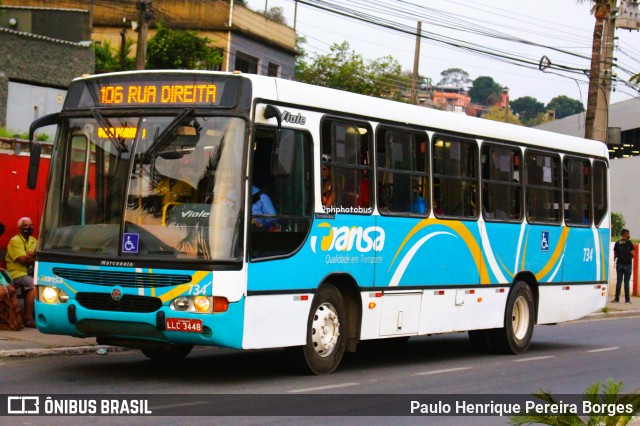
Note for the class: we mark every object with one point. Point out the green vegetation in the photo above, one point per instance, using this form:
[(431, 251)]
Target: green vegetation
[(177, 49), (7, 133), (108, 59), (595, 394), (485, 91), (344, 69), (617, 224)]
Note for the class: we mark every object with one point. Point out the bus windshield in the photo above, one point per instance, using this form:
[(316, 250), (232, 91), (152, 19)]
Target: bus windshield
[(147, 187)]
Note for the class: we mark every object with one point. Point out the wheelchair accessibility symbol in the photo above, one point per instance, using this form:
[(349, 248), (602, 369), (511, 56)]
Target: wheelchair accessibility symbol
[(130, 243), (544, 241)]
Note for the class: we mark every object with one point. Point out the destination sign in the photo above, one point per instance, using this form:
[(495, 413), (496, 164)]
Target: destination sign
[(158, 94), (155, 90)]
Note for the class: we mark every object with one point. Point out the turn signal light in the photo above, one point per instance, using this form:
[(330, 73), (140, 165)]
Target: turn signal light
[(220, 304)]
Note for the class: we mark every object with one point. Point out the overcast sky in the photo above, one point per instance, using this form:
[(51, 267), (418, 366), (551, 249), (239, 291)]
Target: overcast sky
[(561, 24)]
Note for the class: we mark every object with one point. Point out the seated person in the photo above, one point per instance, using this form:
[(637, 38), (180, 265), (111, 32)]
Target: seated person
[(261, 204), (327, 187), (418, 205)]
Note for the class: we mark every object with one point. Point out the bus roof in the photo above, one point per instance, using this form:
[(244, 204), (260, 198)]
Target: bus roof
[(383, 110)]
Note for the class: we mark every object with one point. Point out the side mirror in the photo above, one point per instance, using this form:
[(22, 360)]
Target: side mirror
[(283, 153), (36, 148), (272, 112), (34, 165)]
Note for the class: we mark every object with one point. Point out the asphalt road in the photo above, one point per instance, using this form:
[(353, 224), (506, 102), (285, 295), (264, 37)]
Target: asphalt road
[(562, 359)]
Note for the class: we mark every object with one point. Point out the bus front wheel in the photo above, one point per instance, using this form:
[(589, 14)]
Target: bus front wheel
[(515, 336), (326, 331), (167, 354)]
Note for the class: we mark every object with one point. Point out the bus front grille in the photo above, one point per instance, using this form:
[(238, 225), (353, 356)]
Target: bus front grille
[(128, 303), (123, 279)]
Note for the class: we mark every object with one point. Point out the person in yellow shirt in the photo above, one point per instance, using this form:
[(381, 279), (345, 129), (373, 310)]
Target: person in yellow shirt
[(20, 260)]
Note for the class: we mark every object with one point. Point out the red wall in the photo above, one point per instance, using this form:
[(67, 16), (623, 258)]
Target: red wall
[(16, 200)]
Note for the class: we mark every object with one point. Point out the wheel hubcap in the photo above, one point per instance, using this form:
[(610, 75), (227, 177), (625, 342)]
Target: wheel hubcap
[(520, 318), (325, 329)]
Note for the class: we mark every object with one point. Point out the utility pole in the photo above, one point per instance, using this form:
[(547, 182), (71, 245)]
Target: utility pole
[(416, 64), (123, 45), (144, 16), (601, 121)]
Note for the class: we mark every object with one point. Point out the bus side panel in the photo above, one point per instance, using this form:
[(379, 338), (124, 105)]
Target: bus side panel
[(276, 320), (428, 252), (583, 260), (582, 300)]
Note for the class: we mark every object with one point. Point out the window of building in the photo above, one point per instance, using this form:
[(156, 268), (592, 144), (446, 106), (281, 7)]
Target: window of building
[(543, 191), (599, 191), (455, 177), (246, 64), (501, 183), (346, 166), (403, 185), (577, 191), (273, 70)]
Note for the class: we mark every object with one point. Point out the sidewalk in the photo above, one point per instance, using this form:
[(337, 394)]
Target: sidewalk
[(29, 342)]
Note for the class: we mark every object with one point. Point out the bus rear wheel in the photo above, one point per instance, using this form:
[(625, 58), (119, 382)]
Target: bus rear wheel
[(168, 353), (326, 331), (515, 336)]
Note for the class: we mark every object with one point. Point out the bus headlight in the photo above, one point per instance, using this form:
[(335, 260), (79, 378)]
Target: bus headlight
[(53, 295), (50, 295), (196, 304), (201, 303)]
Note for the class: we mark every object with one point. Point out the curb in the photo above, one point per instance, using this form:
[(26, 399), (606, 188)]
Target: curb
[(70, 350), (616, 313)]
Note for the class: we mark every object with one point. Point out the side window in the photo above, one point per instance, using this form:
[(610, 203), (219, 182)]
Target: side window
[(599, 187), (346, 167), (542, 187), (455, 177), (402, 171), (577, 191), (281, 192), (501, 183)]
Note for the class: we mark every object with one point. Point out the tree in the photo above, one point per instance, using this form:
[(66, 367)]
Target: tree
[(602, 12), (497, 113), (177, 49), (344, 69), (527, 108), (455, 77), (275, 14), (107, 60), (485, 91), (564, 106)]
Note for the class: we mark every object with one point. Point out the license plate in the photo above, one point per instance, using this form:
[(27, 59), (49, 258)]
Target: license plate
[(186, 325)]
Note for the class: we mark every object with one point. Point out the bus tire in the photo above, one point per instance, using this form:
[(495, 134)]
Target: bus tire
[(515, 336), (326, 331), (167, 354)]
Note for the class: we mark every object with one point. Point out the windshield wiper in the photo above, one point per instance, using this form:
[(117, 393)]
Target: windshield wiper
[(167, 130), (101, 120)]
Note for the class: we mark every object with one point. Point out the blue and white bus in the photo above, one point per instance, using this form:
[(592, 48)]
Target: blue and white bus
[(385, 220)]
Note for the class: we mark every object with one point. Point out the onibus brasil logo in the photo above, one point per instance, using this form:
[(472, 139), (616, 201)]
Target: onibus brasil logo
[(346, 239)]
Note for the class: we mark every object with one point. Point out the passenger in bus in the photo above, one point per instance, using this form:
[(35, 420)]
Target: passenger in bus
[(20, 261), (327, 187), (261, 205), (418, 205), (364, 197)]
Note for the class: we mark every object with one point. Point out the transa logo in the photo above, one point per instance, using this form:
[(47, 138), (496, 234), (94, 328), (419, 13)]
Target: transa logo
[(346, 238)]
